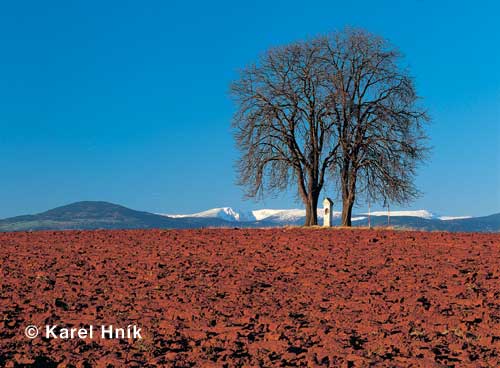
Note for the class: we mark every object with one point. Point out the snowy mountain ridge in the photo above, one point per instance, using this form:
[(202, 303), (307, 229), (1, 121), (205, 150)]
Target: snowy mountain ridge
[(290, 215)]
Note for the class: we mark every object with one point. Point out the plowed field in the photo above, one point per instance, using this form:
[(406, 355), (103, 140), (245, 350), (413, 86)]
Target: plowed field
[(253, 298)]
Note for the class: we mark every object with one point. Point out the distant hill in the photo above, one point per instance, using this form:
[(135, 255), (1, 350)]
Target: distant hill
[(103, 215), (473, 224), (98, 215)]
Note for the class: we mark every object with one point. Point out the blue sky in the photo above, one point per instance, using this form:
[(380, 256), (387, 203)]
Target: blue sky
[(128, 101)]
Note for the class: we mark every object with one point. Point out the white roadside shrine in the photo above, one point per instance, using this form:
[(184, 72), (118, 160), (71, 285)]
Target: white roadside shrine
[(327, 218)]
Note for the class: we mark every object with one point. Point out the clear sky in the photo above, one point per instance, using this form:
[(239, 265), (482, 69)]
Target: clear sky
[(127, 101)]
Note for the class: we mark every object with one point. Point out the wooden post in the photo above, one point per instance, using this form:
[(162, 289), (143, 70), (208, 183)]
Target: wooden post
[(369, 222), (388, 215)]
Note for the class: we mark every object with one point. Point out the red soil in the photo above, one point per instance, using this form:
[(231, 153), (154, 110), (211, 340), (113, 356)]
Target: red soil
[(279, 297)]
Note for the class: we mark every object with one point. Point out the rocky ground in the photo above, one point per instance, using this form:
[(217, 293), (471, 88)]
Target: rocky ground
[(253, 298)]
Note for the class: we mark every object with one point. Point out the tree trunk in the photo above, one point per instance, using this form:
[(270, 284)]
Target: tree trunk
[(347, 205), (312, 209), (348, 194)]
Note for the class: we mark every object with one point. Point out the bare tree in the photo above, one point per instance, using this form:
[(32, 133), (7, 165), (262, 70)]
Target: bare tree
[(283, 125), (378, 120), (337, 105)]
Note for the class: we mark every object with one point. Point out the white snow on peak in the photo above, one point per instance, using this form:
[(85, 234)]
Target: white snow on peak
[(225, 213), (447, 218), (418, 213), (279, 214)]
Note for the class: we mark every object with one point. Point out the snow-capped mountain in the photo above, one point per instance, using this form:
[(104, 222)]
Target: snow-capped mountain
[(418, 213), (412, 219), (224, 213), (234, 215), (292, 216)]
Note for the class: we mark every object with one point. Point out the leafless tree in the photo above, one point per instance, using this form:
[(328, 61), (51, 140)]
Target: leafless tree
[(378, 120), (338, 106), (283, 125)]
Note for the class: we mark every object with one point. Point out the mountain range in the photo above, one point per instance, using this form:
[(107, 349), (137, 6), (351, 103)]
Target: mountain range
[(103, 215)]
